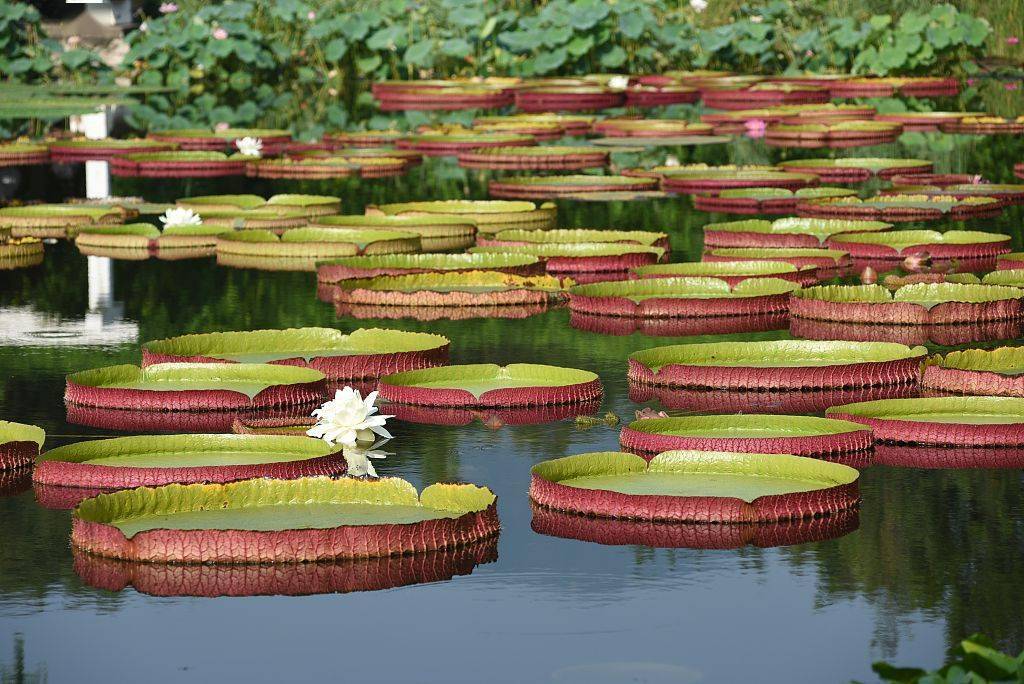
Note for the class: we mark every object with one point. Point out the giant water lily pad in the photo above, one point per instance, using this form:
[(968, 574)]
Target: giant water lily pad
[(549, 157), (347, 268), (194, 386), (71, 150), (490, 216), (141, 240), (268, 521), (782, 364), (810, 436), (337, 166), (695, 486), (682, 297), (902, 208), (20, 252), (361, 354), (311, 205), (993, 372), (856, 169), (178, 164), (763, 200), (955, 421), (487, 384), (22, 154), (19, 444), (897, 244), (437, 233), (824, 259), (576, 236), (838, 134), (55, 220), (201, 139), (784, 232), (543, 187), (1007, 192), (713, 180), (584, 257), (153, 460), (459, 289), (442, 144), (300, 248), (732, 272), (574, 124), (916, 304), (650, 128)]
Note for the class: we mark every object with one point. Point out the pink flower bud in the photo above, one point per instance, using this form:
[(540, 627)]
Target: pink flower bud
[(869, 276), (918, 262), (220, 34)]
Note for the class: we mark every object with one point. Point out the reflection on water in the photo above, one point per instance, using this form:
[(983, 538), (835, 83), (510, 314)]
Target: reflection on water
[(936, 556)]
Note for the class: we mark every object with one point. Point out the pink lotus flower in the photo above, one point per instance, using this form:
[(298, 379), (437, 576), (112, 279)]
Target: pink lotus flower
[(222, 126), (168, 8), (220, 34), (971, 81), (756, 127), (1010, 86), (869, 276), (73, 41), (311, 15), (1012, 40), (809, 53)]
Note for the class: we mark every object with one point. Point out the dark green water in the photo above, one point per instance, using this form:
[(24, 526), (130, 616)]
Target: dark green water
[(936, 554)]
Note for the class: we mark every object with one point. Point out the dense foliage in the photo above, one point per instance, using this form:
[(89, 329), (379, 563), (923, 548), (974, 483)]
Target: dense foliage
[(28, 56), (973, 661)]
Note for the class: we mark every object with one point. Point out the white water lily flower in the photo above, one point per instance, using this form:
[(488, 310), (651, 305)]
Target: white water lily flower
[(671, 160), (618, 82), (699, 5), (757, 18), (180, 216), (358, 460), (250, 147), (348, 419)]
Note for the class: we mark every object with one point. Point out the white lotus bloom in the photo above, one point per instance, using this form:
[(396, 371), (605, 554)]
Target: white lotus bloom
[(671, 160), (618, 82), (699, 5), (757, 18), (348, 419), (250, 147), (180, 216)]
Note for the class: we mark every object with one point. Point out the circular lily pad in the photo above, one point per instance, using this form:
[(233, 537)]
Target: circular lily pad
[(540, 130), (19, 252), (583, 257), (856, 169), (437, 233), (372, 138), (311, 205), (316, 243), (903, 208), (55, 220), (954, 421), (644, 96), (490, 216), (897, 244), (763, 200), (836, 135), (718, 96), (194, 386), (732, 272), (200, 139), (1011, 261), (640, 143), (567, 99), (23, 154), (80, 150), (453, 96), (19, 444), (715, 180), (534, 158), (572, 124), (487, 384), (141, 240), (923, 121), (363, 353), (695, 486), (443, 144), (682, 297), (777, 365), (327, 167), (650, 128), (1007, 192), (449, 290), (917, 304), (194, 164), (347, 268), (826, 260), (150, 461), (984, 125), (912, 86), (278, 521), (544, 187), (785, 232), (809, 436), (565, 236), (993, 372)]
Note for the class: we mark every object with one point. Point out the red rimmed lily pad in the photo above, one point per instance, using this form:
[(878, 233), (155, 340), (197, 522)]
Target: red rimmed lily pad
[(678, 327), (809, 436), (19, 444), (56, 220), (902, 208), (939, 179), (947, 335), (829, 262), (301, 248), (21, 252), (762, 94), (695, 486), (371, 138), (923, 121), (493, 417), (993, 372), (361, 354), (1010, 261), (196, 139), (675, 535), (490, 216), (660, 96), (764, 201), (348, 268), (567, 98), (194, 387), (184, 164), (703, 400), (682, 297), (23, 154), (898, 244), (562, 236), (912, 86), (573, 124), (785, 232), (150, 461), (984, 125), (954, 421), (917, 304), (452, 98), (650, 128), (81, 150), (547, 187), (577, 259), (139, 241), (548, 157), (542, 131), (777, 365), (731, 271), (836, 135), (1007, 192), (327, 167), (441, 144), (282, 521), (311, 205), (462, 289), (437, 233), (487, 384), (711, 181), (856, 169), (735, 121)]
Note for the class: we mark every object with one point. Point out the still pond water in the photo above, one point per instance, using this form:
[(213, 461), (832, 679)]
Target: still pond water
[(934, 556)]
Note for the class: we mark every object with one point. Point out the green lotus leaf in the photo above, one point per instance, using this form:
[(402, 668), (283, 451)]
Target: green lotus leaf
[(927, 295), (435, 262), (190, 451), (869, 163), (277, 505), (696, 473), (744, 253), (775, 354), (955, 410), (819, 228), (262, 346), (460, 281), (484, 377), (716, 269), (581, 235), (902, 239), (685, 288), (569, 250), (20, 432), (745, 426), (247, 378)]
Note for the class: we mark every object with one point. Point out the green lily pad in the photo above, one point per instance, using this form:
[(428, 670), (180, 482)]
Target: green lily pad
[(435, 262), (489, 215), (778, 253), (744, 426), (773, 193), (20, 432), (717, 269), (900, 240), (926, 295), (571, 250), (819, 228), (775, 354), (685, 288), (1002, 361), (246, 378), (873, 164), (950, 410), (478, 379), (581, 235), (460, 281)]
